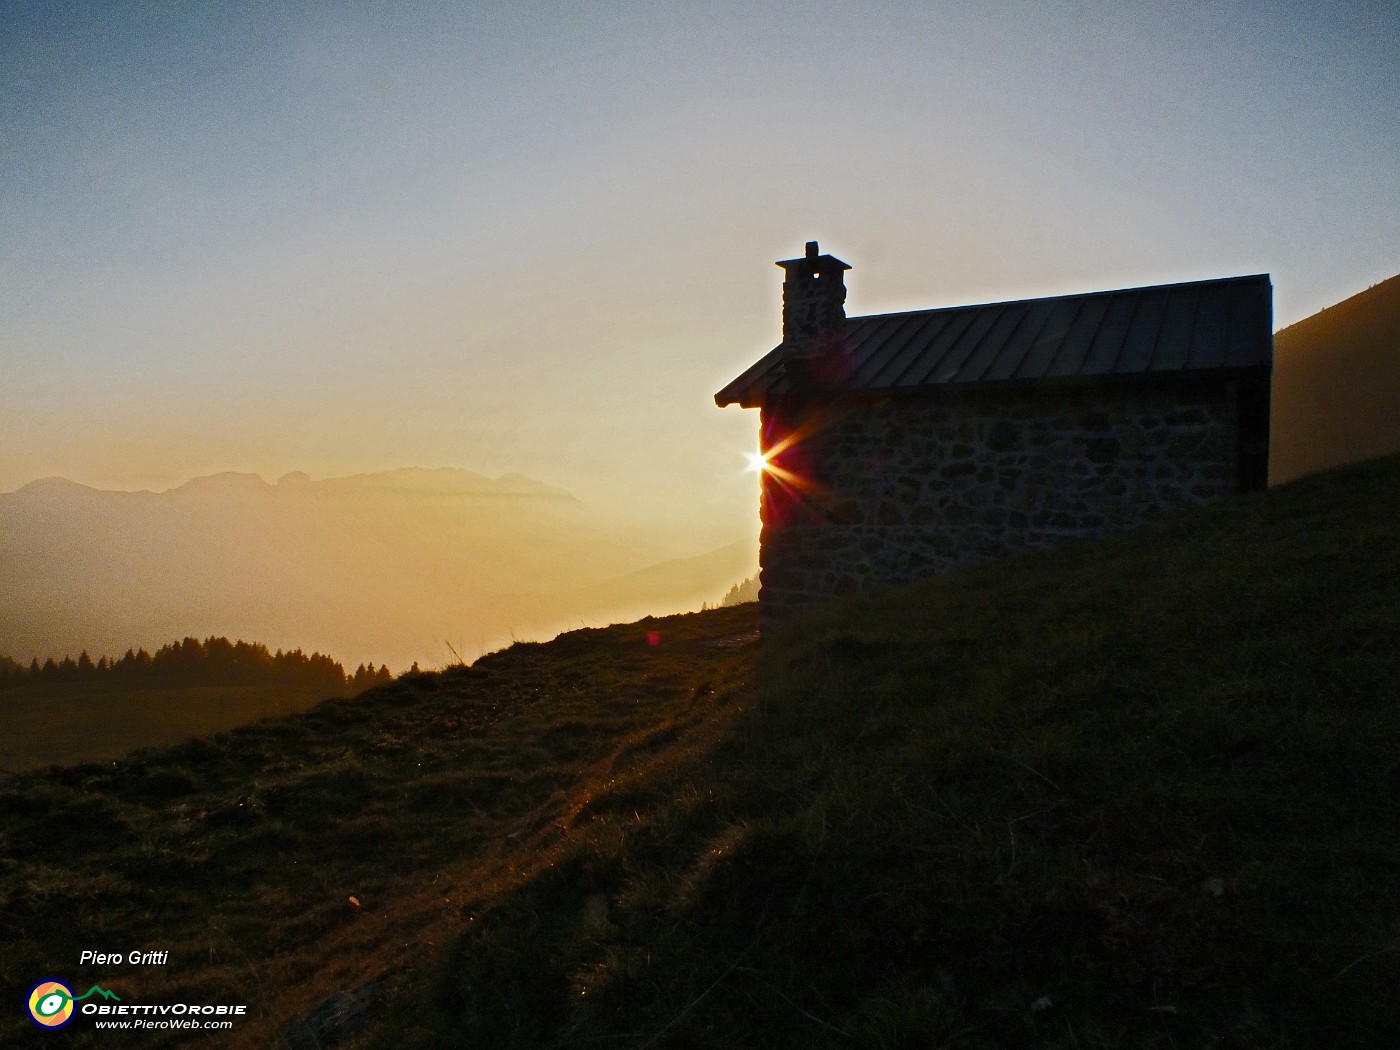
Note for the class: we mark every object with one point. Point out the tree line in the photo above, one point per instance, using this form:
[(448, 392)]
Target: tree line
[(745, 591), (214, 661)]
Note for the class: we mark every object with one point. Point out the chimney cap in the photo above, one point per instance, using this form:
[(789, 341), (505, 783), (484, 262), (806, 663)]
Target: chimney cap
[(812, 258)]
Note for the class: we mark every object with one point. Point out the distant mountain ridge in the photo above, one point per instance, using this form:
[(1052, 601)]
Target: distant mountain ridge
[(404, 479), (438, 480)]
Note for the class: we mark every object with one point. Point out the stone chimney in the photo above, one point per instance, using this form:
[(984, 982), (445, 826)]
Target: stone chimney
[(814, 301), (814, 320)]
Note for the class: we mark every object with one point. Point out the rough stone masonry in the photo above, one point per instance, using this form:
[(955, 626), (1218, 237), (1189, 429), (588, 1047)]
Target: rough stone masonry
[(901, 488)]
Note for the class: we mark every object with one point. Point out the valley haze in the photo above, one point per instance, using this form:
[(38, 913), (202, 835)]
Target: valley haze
[(395, 567)]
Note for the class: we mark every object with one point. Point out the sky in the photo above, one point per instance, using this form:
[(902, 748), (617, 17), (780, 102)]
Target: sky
[(537, 237)]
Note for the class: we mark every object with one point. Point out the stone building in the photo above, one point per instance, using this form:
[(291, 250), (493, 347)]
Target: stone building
[(901, 445)]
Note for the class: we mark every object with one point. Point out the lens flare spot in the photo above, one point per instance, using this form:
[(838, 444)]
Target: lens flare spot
[(758, 462)]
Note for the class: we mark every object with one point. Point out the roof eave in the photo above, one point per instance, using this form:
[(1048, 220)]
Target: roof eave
[(748, 388)]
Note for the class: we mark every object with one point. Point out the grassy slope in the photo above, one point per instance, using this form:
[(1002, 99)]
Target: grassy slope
[(1139, 794), (239, 855), (70, 722)]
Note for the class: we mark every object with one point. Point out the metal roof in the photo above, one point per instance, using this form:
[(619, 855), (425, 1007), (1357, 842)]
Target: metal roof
[(1198, 326)]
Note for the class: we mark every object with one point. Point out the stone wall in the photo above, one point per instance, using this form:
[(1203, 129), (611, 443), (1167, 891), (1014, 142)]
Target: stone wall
[(895, 489)]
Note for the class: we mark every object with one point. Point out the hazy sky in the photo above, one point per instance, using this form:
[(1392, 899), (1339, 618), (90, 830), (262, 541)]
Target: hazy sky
[(538, 237)]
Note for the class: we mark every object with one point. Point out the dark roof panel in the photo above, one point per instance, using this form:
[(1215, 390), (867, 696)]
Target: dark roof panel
[(1209, 335), (1139, 343), (893, 337), (1247, 341), (1040, 355), (1104, 349), (1192, 327), (934, 366), (1174, 340), (1038, 314), (1069, 360), (1008, 328)]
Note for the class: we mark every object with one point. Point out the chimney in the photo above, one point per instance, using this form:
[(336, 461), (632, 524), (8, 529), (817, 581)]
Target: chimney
[(814, 318), (814, 301)]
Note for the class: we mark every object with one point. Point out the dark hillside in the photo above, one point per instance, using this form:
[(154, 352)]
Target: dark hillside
[(240, 854), (1135, 794), (1336, 396)]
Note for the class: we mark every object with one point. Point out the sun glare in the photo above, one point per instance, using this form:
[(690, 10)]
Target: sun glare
[(758, 462)]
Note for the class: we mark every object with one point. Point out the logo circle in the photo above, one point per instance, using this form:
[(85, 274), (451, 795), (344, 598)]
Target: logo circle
[(51, 1004)]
